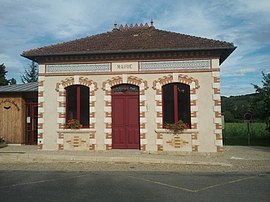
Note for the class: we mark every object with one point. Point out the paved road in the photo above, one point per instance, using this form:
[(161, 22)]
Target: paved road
[(21, 185)]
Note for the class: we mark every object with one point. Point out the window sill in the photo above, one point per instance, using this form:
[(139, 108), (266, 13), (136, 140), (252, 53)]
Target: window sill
[(80, 130), (188, 131)]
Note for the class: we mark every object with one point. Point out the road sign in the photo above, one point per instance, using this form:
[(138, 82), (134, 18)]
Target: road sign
[(248, 116)]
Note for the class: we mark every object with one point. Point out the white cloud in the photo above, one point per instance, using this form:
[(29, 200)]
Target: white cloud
[(253, 7), (240, 72)]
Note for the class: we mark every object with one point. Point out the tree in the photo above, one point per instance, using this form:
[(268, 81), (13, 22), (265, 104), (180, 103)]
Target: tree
[(30, 74), (12, 81), (264, 99), (228, 117), (3, 80), (234, 107)]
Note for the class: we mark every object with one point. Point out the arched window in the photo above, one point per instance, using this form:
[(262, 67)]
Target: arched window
[(77, 104), (176, 103)]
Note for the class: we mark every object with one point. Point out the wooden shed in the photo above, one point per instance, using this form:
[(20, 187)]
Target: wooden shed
[(18, 113)]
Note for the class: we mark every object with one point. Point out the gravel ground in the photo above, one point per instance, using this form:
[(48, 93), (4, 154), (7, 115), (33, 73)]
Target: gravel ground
[(242, 159), (243, 166), (238, 166)]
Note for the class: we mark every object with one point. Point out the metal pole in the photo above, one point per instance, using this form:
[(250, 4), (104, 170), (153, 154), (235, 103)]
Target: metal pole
[(248, 130)]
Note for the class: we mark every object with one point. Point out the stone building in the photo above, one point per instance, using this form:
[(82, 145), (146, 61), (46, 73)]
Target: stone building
[(124, 85)]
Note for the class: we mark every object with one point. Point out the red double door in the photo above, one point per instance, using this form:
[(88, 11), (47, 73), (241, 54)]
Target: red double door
[(125, 117)]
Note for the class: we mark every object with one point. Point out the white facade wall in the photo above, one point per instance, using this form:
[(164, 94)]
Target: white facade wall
[(205, 135)]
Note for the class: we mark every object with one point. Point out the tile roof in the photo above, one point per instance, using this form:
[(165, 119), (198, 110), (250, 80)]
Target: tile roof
[(17, 88), (137, 38)]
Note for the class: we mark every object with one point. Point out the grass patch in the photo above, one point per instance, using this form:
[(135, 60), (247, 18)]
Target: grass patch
[(237, 134)]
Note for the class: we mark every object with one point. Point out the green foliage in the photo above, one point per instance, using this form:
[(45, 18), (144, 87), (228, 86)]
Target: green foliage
[(236, 106), (3, 80), (240, 129), (237, 134), (12, 81), (263, 101), (73, 124), (228, 116), (30, 74)]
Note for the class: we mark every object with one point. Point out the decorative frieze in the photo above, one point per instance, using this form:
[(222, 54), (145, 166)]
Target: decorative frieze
[(128, 66), (68, 68), (175, 65)]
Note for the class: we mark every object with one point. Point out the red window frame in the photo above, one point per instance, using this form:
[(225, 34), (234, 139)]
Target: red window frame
[(78, 104), (175, 104)]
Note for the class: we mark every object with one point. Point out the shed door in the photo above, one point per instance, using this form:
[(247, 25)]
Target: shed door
[(125, 117), (32, 123)]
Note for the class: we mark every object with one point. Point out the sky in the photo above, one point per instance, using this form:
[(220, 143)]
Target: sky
[(25, 25)]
